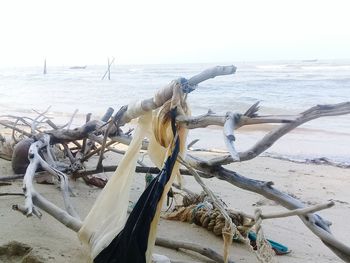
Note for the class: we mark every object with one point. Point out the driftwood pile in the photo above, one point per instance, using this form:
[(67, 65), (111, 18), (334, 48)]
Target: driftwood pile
[(39, 144)]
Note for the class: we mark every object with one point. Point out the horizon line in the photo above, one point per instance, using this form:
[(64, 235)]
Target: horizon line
[(180, 63)]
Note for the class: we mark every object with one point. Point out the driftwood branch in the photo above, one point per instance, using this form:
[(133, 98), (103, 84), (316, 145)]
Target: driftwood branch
[(298, 212), (11, 177), (112, 168), (28, 188), (229, 137), (135, 110), (65, 135), (6, 194), (268, 140), (210, 118), (13, 127), (205, 251), (211, 73), (59, 214), (314, 222)]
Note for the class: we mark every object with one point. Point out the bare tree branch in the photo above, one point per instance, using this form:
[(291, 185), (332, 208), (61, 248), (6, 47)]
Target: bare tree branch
[(205, 251), (268, 140)]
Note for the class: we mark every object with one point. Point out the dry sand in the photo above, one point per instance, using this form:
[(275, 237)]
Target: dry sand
[(313, 184)]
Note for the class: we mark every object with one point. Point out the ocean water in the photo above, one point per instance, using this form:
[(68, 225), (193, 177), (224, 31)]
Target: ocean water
[(282, 87)]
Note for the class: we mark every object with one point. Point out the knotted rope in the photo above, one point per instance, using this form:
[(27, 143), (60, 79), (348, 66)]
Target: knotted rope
[(229, 229), (264, 251), (200, 209)]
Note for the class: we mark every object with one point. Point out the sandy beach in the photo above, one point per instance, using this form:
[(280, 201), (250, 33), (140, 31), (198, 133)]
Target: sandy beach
[(262, 80), (314, 184)]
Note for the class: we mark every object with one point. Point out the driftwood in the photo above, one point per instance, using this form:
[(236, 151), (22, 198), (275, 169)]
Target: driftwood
[(107, 132), (205, 251)]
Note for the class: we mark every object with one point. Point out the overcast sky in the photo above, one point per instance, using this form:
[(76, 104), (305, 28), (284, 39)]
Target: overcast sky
[(81, 32)]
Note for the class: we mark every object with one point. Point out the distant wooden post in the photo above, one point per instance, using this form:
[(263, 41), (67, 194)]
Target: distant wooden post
[(45, 67), (108, 69)]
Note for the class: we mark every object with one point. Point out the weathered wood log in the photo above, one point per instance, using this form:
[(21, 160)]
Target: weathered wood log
[(210, 118), (14, 194), (163, 95), (65, 135), (314, 222), (205, 251), (11, 177), (19, 158), (112, 168), (269, 139)]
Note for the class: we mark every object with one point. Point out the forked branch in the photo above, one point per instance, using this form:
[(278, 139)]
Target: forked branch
[(269, 139)]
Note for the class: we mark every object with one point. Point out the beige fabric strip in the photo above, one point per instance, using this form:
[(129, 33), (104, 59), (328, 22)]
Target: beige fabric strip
[(109, 212)]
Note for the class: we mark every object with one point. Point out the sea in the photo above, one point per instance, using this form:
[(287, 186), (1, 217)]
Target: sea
[(281, 87)]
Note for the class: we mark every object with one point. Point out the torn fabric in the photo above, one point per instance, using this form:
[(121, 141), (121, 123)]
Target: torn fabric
[(131, 244), (106, 230)]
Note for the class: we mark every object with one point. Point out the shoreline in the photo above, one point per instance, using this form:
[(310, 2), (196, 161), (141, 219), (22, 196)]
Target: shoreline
[(315, 161)]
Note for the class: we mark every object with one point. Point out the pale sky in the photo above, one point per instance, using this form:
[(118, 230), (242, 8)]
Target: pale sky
[(79, 32)]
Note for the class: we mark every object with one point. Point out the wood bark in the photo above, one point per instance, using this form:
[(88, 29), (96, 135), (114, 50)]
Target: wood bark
[(205, 251)]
